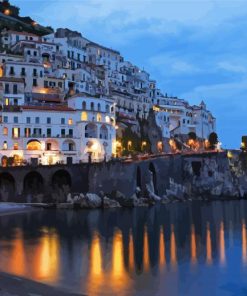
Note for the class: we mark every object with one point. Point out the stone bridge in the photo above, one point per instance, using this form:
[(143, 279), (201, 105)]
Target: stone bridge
[(17, 182)]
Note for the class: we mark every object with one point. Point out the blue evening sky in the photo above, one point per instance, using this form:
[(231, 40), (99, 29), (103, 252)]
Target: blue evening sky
[(194, 49)]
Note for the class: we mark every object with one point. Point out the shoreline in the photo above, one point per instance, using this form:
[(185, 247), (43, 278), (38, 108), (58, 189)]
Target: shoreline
[(12, 285)]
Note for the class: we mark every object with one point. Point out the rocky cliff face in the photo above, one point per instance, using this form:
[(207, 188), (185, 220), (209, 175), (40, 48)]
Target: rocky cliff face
[(219, 176)]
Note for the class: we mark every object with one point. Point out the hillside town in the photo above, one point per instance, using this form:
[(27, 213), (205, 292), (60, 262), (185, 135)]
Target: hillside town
[(66, 99)]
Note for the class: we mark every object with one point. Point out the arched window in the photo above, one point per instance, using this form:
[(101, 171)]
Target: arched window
[(99, 117), (107, 108), (103, 132), (91, 131), (99, 107), (84, 116), (84, 105), (33, 145), (92, 105)]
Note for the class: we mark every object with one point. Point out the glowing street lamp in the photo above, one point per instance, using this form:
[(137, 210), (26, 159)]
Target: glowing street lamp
[(129, 145)]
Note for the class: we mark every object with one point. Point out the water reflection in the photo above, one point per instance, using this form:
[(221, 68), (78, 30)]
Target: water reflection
[(123, 252)]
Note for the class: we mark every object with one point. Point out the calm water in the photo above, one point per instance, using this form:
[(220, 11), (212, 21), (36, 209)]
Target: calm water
[(178, 249)]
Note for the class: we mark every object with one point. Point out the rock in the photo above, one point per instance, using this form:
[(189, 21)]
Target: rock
[(81, 196), (69, 198), (110, 203), (101, 194), (143, 202), (93, 200), (124, 201)]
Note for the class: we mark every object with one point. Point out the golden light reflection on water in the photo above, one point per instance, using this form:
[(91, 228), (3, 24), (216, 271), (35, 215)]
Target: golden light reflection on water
[(244, 251), (145, 251), (39, 261), (17, 255), (209, 260), (193, 245), (131, 253), (173, 249), (114, 277), (162, 249), (222, 244)]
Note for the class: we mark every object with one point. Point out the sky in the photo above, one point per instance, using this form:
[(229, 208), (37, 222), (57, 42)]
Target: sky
[(196, 50)]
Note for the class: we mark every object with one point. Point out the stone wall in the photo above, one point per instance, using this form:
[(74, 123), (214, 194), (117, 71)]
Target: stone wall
[(206, 175)]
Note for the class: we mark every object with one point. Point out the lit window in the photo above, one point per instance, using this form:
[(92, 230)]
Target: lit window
[(70, 121), (15, 146), (107, 119), (15, 132), (5, 145), (98, 117), (5, 131), (6, 101), (84, 116)]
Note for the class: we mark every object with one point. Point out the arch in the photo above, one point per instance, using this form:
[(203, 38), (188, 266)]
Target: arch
[(46, 57), (91, 130), (103, 132), (33, 145), (153, 176), (60, 178), (33, 183), (68, 145), (52, 145), (4, 161), (7, 187)]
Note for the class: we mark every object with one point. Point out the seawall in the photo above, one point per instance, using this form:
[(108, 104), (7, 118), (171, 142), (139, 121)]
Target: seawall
[(180, 176)]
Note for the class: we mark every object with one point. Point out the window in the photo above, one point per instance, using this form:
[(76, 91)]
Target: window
[(70, 121), (63, 132), (34, 72), (27, 132), (84, 105), (92, 106), (28, 120), (48, 131), (37, 120), (41, 74), (15, 132), (15, 89), (84, 116), (5, 119), (6, 103), (5, 145), (35, 53), (48, 120), (34, 82), (15, 119), (6, 88), (99, 107), (5, 131), (16, 146), (12, 72), (71, 132), (62, 120), (48, 146), (23, 72)]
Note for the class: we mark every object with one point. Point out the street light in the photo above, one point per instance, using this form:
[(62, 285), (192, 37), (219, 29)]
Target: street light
[(129, 145)]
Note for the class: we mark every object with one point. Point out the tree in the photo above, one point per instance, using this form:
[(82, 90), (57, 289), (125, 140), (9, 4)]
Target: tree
[(213, 140)]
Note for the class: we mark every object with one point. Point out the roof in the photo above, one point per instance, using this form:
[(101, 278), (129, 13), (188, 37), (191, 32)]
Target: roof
[(103, 47), (59, 108), (21, 33), (12, 79)]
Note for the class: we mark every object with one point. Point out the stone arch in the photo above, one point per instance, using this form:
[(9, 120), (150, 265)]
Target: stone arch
[(68, 145), (33, 183), (60, 178), (7, 187), (103, 132), (153, 176), (91, 130), (33, 145)]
